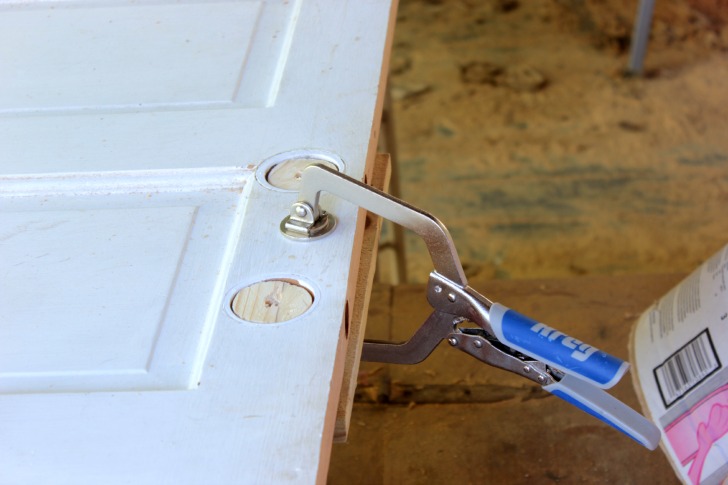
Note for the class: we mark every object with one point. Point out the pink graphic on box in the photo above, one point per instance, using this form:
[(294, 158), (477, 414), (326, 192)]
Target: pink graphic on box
[(693, 434)]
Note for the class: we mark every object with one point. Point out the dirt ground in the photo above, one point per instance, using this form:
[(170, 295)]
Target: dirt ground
[(516, 126)]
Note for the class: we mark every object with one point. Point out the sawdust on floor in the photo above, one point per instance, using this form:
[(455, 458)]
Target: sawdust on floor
[(517, 127)]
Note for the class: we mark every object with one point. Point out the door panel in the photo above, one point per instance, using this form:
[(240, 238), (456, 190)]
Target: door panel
[(309, 76), (121, 56), (84, 274), (137, 138)]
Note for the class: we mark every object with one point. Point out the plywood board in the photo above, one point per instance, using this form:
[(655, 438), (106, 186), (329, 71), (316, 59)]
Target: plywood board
[(364, 263)]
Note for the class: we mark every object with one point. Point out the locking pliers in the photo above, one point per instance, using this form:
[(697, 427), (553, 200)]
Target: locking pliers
[(490, 332)]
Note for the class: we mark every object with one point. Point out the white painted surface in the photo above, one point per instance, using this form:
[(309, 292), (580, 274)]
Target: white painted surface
[(122, 244), (322, 58), (82, 274), (172, 55)]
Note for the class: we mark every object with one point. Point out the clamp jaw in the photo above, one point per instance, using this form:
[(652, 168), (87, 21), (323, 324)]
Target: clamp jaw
[(470, 322)]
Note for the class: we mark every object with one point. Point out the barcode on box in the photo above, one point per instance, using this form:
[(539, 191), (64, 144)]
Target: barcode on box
[(686, 368)]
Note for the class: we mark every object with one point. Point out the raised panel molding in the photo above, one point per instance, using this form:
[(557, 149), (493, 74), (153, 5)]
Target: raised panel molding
[(122, 56)]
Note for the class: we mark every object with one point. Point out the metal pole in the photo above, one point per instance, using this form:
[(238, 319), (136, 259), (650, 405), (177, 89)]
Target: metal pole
[(640, 36)]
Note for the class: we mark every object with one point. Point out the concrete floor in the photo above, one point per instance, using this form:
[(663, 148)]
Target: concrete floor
[(515, 126)]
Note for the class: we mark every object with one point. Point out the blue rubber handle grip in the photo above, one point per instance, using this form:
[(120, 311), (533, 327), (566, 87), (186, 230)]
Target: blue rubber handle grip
[(606, 408), (555, 348)]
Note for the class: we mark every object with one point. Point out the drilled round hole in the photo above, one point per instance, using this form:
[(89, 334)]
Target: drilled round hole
[(272, 301), (287, 175), (283, 171)]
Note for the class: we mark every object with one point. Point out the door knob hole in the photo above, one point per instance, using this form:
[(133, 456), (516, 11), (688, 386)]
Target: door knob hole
[(272, 301)]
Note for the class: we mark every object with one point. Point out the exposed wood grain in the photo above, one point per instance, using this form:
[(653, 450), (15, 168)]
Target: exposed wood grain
[(359, 305), (272, 301)]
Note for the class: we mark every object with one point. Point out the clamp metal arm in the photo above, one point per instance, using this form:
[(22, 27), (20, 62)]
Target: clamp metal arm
[(503, 338), (306, 214)]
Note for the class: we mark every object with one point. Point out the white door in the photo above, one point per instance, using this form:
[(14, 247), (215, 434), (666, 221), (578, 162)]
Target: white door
[(135, 142)]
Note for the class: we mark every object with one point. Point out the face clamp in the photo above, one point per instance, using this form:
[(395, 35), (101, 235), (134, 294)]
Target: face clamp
[(467, 320), (306, 222)]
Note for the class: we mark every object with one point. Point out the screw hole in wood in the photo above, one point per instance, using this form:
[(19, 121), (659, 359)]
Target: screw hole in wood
[(272, 301)]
